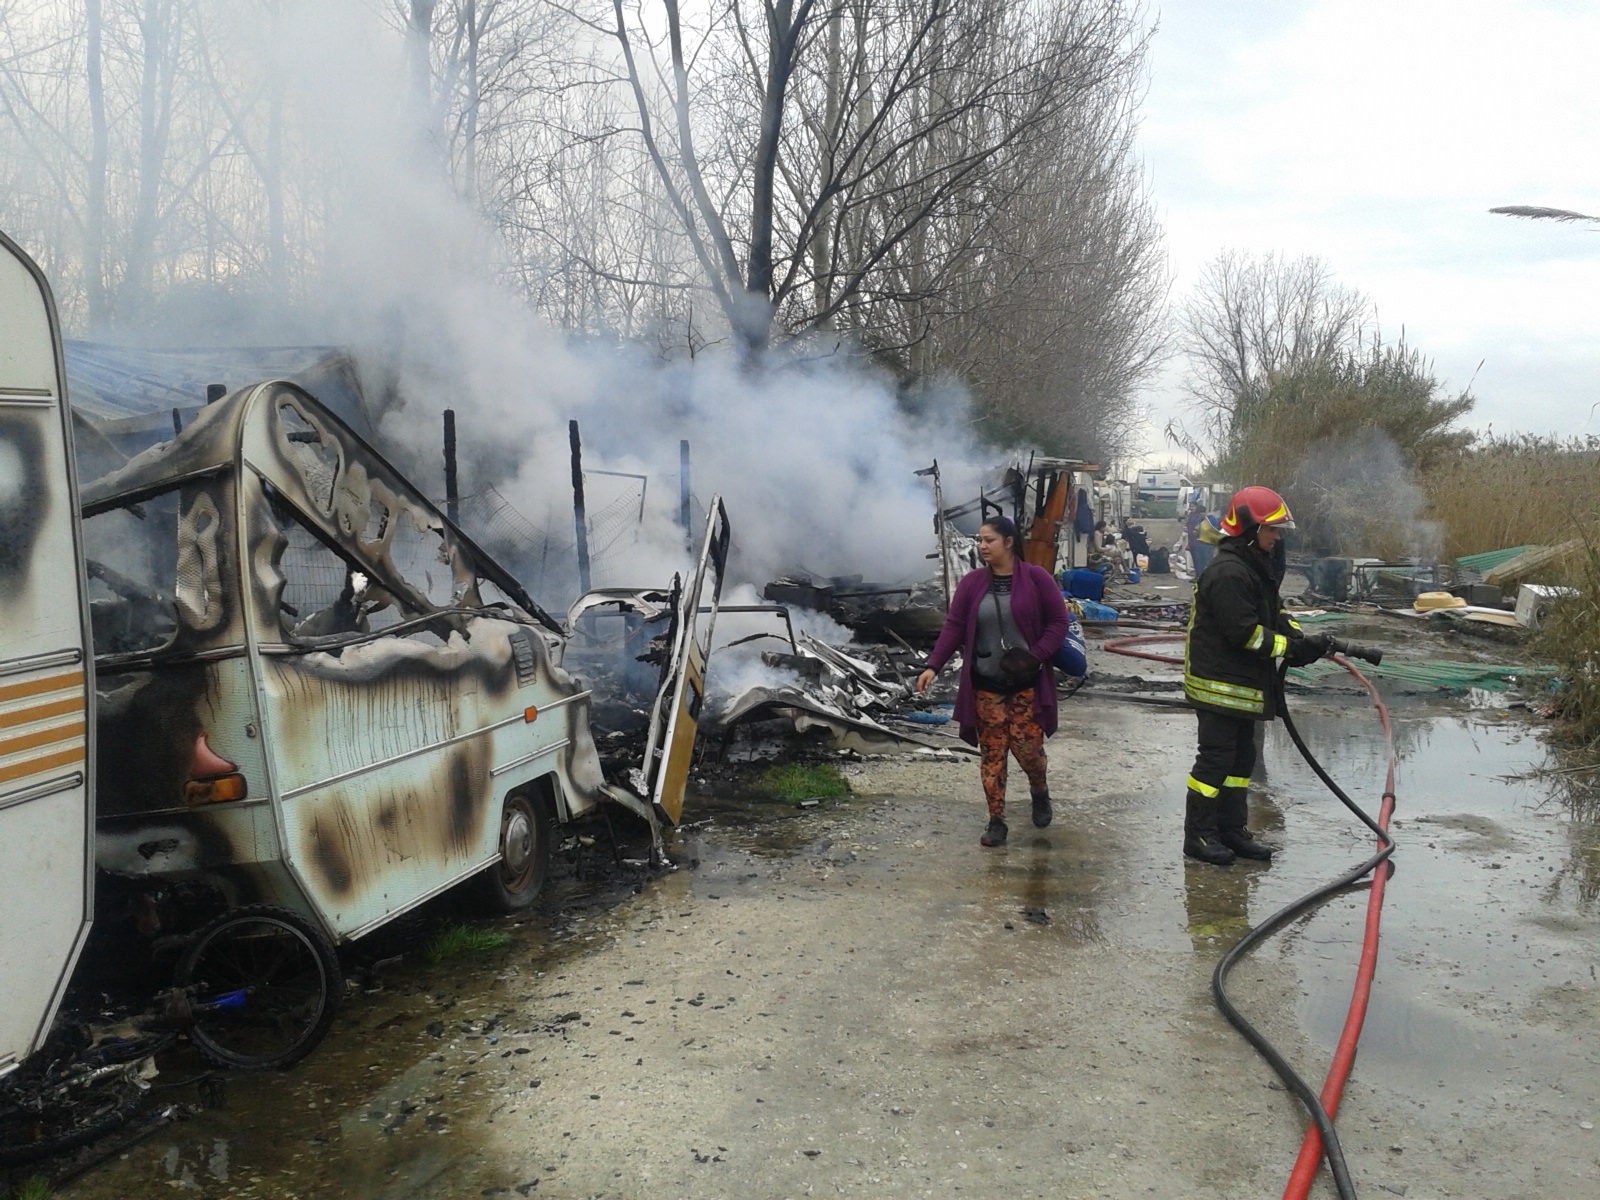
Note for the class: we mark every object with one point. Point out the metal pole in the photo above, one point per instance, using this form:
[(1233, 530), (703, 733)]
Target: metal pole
[(452, 496), (940, 529), (579, 517), (683, 488)]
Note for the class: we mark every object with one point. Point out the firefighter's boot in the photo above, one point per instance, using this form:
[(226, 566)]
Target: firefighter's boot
[(1233, 810), (1201, 839)]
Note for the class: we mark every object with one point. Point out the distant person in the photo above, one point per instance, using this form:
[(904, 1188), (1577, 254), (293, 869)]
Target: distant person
[(1007, 618), (1237, 632), (1199, 552), (1083, 521), (1138, 540)]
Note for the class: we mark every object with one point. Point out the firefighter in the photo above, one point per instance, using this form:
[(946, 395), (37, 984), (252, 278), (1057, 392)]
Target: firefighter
[(1237, 632)]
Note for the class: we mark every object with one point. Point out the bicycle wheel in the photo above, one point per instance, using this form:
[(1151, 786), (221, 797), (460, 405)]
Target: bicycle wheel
[(266, 985), (39, 1119)]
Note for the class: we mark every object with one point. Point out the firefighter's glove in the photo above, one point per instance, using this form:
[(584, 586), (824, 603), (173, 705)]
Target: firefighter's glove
[(1306, 649)]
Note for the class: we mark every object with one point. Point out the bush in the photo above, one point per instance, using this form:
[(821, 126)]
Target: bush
[(1569, 637)]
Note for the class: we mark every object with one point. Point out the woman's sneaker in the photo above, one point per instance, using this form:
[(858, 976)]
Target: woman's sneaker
[(995, 834), (1042, 813)]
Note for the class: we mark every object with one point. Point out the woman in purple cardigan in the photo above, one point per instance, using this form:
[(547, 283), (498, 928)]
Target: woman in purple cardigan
[(1026, 611)]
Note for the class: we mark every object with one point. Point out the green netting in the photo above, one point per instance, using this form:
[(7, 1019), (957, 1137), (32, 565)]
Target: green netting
[(1433, 673), (1320, 618), (1487, 561)]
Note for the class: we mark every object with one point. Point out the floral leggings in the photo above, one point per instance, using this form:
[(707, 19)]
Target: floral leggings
[(1005, 723)]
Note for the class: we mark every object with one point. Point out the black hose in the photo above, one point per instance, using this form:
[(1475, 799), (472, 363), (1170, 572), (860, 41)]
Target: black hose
[(1331, 1149)]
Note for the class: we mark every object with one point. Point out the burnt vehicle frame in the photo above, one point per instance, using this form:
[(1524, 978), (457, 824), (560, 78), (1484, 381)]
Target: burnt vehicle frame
[(315, 693)]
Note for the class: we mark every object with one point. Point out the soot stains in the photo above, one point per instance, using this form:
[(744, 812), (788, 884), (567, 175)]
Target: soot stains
[(25, 499)]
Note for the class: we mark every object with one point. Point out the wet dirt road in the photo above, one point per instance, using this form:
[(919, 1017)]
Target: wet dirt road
[(855, 999)]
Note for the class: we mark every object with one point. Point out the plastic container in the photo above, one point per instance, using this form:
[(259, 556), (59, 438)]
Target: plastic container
[(1083, 583), (1073, 658)]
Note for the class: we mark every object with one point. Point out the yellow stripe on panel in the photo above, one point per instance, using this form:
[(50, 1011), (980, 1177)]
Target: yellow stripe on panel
[(42, 737), (47, 683), (73, 756), (71, 706)]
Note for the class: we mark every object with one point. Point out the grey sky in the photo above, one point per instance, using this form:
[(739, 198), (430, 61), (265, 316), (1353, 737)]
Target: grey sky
[(1376, 134)]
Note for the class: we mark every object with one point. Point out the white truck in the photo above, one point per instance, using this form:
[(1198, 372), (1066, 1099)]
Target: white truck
[(1161, 493)]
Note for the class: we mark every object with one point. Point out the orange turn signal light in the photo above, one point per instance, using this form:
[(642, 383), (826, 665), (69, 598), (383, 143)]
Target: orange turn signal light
[(215, 791), (531, 713)]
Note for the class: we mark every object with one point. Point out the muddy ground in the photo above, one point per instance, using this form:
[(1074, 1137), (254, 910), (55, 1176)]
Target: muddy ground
[(855, 999)]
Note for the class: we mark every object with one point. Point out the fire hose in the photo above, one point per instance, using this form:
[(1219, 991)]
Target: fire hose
[(1320, 1141)]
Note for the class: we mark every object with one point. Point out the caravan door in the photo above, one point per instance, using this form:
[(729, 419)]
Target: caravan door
[(676, 714), (46, 740)]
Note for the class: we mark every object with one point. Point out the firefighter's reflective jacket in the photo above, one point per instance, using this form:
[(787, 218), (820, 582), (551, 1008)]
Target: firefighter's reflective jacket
[(1237, 627)]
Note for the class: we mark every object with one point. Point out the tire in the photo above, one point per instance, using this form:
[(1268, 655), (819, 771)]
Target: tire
[(526, 830), (39, 1122), (288, 973)]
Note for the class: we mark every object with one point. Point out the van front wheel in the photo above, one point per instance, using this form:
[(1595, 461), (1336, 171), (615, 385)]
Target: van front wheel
[(526, 829)]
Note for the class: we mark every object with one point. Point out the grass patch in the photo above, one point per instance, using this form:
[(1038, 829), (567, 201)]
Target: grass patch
[(794, 782), (37, 1188), (461, 941)]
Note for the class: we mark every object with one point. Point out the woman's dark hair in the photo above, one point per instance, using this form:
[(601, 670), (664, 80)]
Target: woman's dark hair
[(1006, 528)]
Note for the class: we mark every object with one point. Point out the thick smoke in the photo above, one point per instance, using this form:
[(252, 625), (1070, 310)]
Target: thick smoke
[(814, 461), (1357, 497)]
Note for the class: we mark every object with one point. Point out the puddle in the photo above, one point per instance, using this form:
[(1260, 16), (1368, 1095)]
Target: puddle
[(1485, 918)]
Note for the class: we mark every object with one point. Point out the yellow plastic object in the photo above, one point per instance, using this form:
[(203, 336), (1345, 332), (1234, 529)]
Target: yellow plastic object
[(1429, 601)]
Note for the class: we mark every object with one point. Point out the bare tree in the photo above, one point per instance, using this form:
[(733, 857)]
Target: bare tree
[(1253, 316), (94, 224), (157, 45), (119, 133), (829, 161), (947, 186), (45, 159), (1061, 317)]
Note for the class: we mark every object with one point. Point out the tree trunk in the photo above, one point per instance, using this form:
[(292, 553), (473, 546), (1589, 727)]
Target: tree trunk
[(94, 225), (820, 246), (159, 37), (784, 27), (419, 43), (473, 98)]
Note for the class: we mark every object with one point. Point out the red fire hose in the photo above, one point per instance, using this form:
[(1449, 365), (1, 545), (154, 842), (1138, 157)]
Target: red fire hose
[(1305, 1166), (1320, 1140), (1120, 646)]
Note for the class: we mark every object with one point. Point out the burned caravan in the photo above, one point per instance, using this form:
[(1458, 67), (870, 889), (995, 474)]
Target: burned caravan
[(314, 691)]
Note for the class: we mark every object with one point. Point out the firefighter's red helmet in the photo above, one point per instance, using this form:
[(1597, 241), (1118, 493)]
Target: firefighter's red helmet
[(1255, 505)]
